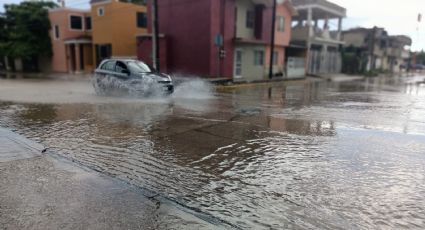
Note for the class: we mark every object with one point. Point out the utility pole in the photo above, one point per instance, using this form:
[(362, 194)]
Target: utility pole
[(372, 49), (219, 40), (272, 40), (155, 36)]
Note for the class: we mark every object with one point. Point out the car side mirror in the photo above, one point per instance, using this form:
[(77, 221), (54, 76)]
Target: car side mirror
[(125, 71)]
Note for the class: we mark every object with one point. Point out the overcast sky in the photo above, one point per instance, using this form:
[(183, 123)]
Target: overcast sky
[(398, 17)]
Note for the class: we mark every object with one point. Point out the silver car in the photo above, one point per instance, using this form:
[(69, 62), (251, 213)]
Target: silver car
[(127, 76)]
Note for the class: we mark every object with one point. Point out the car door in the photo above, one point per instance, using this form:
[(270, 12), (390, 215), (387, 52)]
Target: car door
[(104, 80)]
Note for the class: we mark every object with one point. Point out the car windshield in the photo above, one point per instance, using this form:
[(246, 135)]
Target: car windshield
[(139, 67)]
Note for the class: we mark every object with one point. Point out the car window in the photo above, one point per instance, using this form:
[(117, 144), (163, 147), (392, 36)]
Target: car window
[(120, 67), (139, 67), (110, 65)]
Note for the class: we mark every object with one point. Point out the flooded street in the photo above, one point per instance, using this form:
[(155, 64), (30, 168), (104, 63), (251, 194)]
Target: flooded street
[(298, 155)]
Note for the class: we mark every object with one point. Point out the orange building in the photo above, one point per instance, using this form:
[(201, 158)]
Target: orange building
[(71, 40), (81, 39), (115, 26)]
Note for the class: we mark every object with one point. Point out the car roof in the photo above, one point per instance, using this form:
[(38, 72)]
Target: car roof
[(118, 59)]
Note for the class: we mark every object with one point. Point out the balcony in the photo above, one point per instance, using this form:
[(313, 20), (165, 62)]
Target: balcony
[(315, 20), (398, 52), (392, 52), (317, 35), (405, 54), (330, 7)]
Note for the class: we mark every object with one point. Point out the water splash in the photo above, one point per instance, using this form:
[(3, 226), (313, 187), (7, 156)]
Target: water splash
[(137, 87), (193, 89), (193, 94), (196, 95)]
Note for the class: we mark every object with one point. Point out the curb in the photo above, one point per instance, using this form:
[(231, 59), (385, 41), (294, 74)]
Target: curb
[(257, 84)]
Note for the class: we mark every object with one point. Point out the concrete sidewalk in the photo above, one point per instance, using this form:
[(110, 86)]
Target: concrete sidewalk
[(41, 191)]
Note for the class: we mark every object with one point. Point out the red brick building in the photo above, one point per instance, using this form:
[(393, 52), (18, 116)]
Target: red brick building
[(189, 30)]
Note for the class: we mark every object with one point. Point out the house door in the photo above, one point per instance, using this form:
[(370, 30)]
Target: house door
[(81, 57), (72, 56), (103, 52), (238, 63)]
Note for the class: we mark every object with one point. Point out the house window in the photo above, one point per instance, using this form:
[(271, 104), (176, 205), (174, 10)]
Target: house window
[(76, 22), (258, 57), (280, 23), (100, 11), (250, 19), (275, 58), (88, 23), (142, 21), (56, 32)]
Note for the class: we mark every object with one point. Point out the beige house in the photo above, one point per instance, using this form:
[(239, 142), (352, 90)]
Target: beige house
[(312, 28), (381, 50), (252, 38)]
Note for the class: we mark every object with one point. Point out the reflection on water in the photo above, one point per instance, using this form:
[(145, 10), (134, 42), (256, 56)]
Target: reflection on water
[(315, 155), (144, 115)]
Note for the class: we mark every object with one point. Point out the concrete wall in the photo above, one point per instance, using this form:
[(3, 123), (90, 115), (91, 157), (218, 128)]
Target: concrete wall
[(295, 67), (299, 33), (224, 25), (190, 30), (243, 6), (250, 71), (187, 27), (356, 39), (144, 52), (281, 38), (280, 67)]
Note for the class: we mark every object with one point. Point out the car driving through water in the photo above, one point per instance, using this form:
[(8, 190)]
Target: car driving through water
[(130, 77)]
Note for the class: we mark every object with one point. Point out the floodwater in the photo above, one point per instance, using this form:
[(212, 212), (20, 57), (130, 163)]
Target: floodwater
[(301, 155)]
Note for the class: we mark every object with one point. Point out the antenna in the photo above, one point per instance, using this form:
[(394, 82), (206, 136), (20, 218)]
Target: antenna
[(61, 3), (418, 25)]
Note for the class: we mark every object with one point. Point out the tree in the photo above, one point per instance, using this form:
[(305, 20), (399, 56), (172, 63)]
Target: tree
[(2, 40), (420, 58), (26, 28), (3, 33)]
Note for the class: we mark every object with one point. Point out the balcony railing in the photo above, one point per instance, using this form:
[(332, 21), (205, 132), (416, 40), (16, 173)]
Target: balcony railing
[(302, 34), (321, 3)]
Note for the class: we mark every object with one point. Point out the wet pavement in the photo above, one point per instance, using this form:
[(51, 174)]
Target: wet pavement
[(301, 155), (41, 191)]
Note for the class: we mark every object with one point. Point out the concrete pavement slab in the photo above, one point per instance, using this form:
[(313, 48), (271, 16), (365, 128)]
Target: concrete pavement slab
[(41, 191), (15, 147)]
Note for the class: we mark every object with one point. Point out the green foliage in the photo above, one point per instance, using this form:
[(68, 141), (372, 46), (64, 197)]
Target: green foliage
[(3, 36), (353, 62), (26, 30), (372, 73), (350, 63), (420, 58)]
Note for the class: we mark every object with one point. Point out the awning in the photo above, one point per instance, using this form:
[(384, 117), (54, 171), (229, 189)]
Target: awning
[(249, 41), (78, 40)]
